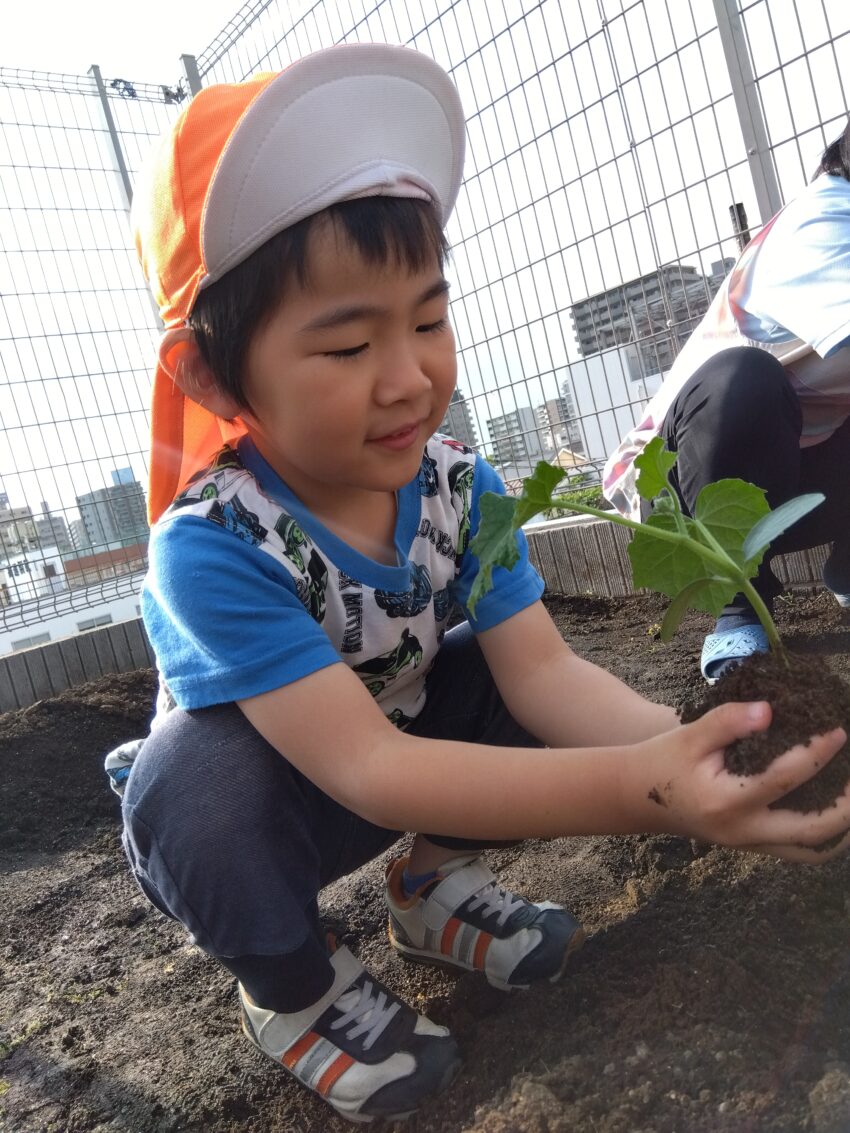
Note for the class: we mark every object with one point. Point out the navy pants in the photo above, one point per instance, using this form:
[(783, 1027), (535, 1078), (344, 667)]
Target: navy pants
[(738, 416), (228, 838)]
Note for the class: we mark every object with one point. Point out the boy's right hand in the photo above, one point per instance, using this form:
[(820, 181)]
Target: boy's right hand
[(698, 798)]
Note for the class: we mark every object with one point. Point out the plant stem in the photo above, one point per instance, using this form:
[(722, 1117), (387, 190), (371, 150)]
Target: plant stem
[(747, 589), (711, 551)]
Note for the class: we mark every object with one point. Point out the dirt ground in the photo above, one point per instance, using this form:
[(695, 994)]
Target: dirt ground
[(713, 994)]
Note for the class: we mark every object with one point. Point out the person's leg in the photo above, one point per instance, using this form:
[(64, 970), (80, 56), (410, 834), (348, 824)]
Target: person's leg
[(446, 906), (823, 468), (225, 836), (737, 417)]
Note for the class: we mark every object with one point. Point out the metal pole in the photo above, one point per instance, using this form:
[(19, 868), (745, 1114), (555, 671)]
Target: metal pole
[(94, 71), (753, 128), (190, 71)]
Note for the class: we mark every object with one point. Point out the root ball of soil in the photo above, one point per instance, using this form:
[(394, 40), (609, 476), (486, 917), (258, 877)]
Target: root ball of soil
[(807, 699)]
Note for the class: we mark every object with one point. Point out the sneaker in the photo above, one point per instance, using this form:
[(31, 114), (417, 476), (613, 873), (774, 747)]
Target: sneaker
[(119, 763), (835, 577), (464, 919), (721, 652), (360, 1048)]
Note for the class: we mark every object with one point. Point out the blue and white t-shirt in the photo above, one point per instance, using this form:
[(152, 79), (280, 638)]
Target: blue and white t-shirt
[(247, 591)]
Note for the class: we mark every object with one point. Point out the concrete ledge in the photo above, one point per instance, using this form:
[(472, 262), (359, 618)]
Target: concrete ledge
[(44, 670), (584, 555)]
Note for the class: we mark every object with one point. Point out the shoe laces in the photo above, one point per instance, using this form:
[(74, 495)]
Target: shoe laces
[(495, 899), (369, 1009)]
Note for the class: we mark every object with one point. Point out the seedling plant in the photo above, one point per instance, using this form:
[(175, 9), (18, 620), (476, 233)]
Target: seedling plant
[(701, 562)]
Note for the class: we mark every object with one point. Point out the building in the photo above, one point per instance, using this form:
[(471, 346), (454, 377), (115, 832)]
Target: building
[(458, 422), (31, 575), (608, 399), (558, 427), (115, 515), (100, 565), (516, 438), (79, 536), (52, 530), (17, 529), (658, 311)]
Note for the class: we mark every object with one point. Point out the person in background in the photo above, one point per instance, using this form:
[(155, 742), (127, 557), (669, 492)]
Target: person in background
[(761, 392), (310, 540)]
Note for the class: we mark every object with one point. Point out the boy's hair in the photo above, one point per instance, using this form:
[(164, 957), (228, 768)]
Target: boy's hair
[(400, 231)]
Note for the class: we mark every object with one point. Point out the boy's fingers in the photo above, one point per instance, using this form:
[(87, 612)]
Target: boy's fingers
[(795, 852), (788, 828), (800, 763), (729, 722)]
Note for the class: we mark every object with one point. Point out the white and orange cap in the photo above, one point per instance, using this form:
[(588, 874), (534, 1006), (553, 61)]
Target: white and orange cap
[(246, 160)]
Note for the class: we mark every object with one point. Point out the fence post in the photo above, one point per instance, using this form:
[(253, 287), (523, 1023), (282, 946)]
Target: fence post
[(94, 71), (750, 117), (191, 73)]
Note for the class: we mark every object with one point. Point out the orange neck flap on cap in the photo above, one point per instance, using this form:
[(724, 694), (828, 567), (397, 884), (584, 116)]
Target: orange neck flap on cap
[(168, 208)]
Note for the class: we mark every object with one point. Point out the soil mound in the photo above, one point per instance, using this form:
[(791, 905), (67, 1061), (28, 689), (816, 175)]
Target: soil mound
[(713, 995)]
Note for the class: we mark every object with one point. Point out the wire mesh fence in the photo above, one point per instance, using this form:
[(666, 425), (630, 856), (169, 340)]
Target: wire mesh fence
[(620, 153)]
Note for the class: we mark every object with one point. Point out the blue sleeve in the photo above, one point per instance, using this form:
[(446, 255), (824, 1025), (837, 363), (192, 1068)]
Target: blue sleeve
[(799, 280), (223, 618), (513, 590)]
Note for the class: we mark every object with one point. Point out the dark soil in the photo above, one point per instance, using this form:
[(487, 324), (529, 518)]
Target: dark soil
[(712, 996), (807, 699)]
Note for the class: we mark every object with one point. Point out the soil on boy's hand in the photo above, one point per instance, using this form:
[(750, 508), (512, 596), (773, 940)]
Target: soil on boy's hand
[(807, 700)]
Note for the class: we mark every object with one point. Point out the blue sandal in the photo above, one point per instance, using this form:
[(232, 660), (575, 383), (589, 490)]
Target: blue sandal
[(723, 651)]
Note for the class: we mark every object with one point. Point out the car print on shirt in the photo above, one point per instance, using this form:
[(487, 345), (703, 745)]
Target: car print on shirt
[(412, 601), (379, 672), (235, 517), (442, 604), (225, 459), (461, 478), (429, 485), (399, 720), (293, 539)]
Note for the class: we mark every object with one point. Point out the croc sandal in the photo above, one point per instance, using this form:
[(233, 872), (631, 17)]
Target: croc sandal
[(722, 651)]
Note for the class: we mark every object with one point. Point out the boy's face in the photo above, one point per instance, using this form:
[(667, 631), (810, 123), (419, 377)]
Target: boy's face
[(351, 375)]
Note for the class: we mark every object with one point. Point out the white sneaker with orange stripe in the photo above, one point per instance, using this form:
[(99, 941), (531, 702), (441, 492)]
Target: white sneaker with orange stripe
[(361, 1049), (464, 919)]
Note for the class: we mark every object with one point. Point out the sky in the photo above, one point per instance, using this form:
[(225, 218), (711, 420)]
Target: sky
[(142, 43)]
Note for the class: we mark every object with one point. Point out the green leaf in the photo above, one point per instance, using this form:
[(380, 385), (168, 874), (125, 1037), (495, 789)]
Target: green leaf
[(729, 509), (653, 465), (673, 567), (680, 605), (495, 542), (775, 522), (536, 493)]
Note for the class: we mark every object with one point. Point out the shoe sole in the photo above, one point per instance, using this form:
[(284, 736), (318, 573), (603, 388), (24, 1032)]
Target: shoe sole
[(354, 1118), (439, 960)]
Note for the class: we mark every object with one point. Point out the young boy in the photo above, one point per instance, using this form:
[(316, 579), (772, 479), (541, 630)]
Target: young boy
[(311, 538)]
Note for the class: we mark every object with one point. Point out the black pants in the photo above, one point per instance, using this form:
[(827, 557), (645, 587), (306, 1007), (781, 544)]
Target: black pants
[(738, 416)]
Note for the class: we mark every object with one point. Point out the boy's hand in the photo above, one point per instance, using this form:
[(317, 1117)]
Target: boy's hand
[(699, 798)]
